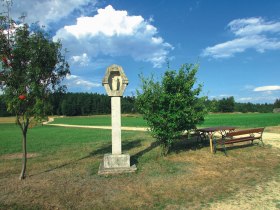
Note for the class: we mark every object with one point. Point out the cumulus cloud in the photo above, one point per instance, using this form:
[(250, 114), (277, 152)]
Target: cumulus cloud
[(250, 33), (267, 88), (115, 33), (47, 11), (77, 82)]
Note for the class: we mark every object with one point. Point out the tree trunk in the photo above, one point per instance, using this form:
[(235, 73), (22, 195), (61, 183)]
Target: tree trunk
[(24, 154)]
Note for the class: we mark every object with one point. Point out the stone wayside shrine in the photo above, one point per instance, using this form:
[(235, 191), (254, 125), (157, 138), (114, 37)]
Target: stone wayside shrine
[(115, 82)]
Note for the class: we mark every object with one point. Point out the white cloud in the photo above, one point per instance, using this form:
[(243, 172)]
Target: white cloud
[(82, 60), (258, 99), (115, 33), (253, 26), (47, 11), (108, 22), (251, 33), (246, 99), (267, 88), (74, 81)]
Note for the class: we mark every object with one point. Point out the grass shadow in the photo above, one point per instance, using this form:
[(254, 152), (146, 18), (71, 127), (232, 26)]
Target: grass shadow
[(235, 147), (127, 145), (134, 158), (189, 142)]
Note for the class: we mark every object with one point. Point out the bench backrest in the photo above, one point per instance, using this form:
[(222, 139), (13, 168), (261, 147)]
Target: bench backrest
[(247, 131)]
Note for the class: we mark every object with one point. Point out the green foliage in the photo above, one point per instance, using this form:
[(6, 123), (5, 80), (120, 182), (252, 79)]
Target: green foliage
[(171, 106), (32, 67), (80, 104), (226, 104), (3, 108), (277, 103), (250, 107)]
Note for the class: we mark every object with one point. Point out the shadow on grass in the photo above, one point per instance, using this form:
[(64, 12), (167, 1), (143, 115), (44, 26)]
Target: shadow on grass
[(184, 144), (234, 147), (127, 145), (181, 145), (187, 143), (134, 158)]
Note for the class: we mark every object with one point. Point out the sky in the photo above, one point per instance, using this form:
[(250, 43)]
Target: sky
[(235, 42)]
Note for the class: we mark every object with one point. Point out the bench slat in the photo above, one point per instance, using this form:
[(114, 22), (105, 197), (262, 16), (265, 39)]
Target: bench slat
[(236, 140), (242, 132)]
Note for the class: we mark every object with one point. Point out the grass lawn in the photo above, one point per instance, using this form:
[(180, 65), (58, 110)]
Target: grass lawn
[(249, 120), (240, 120), (62, 174)]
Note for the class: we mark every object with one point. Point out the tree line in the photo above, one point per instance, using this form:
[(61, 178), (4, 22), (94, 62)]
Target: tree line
[(229, 105), (79, 104)]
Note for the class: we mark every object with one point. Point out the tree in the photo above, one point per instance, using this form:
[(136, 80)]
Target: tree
[(33, 67), (277, 103), (226, 104), (172, 105)]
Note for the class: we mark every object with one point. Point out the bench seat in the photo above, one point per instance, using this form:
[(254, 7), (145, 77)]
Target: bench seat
[(239, 136), (237, 140)]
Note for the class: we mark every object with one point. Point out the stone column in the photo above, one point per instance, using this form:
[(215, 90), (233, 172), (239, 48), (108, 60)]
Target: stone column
[(115, 83), (116, 125)]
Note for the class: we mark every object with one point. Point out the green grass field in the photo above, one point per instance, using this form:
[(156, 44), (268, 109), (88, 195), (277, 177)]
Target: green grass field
[(239, 120), (243, 120), (63, 172)]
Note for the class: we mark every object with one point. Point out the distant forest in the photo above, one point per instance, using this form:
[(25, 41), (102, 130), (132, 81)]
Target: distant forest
[(78, 104)]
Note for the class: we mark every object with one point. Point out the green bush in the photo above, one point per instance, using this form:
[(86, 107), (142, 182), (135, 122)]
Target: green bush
[(172, 105)]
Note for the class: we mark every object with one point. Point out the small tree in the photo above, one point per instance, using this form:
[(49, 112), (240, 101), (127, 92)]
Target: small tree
[(172, 105), (32, 67), (277, 103)]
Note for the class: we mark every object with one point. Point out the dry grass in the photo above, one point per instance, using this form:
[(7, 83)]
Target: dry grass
[(273, 129), (7, 119), (189, 177), (17, 156)]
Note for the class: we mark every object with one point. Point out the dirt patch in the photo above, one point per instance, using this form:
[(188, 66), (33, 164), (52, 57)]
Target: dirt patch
[(264, 196), (18, 156), (273, 129), (272, 139)]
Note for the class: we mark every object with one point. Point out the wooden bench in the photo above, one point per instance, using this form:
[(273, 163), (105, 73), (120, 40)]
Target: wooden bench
[(239, 136)]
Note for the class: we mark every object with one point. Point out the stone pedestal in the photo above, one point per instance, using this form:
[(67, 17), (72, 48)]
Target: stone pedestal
[(116, 164)]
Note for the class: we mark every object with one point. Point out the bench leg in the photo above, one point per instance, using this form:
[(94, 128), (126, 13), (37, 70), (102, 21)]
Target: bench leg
[(262, 142), (215, 145), (224, 147), (197, 137)]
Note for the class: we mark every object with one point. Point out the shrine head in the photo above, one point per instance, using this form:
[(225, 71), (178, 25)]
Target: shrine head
[(115, 81)]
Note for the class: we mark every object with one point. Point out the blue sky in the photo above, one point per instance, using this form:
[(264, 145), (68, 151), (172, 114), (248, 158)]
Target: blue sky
[(236, 42)]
